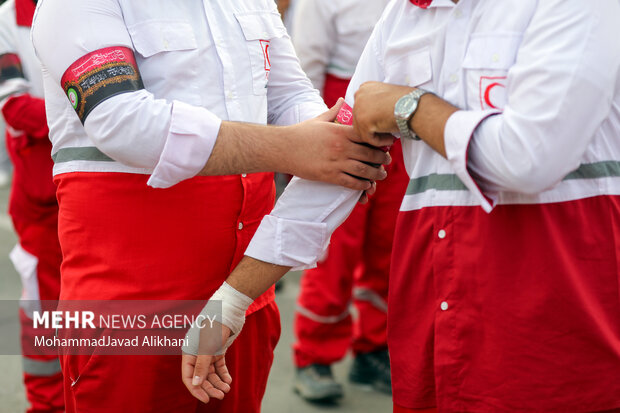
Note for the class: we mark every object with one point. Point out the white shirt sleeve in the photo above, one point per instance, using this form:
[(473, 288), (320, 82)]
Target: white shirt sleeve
[(290, 96), (560, 90), (296, 233), (172, 138), (315, 37), (15, 85)]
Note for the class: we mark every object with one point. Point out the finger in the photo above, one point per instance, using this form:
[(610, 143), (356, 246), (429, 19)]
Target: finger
[(211, 390), (187, 371), (363, 198), (219, 377), (371, 155), (383, 139), (332, 113), (201, 369), (351, 182), (372, 189), (363, 171), (222, 370)]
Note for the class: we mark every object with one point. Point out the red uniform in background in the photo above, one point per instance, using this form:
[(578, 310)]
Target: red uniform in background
[(32, 204), (357, 267)]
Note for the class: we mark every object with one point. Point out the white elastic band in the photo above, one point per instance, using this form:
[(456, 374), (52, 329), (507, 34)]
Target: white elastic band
[(234, 306)]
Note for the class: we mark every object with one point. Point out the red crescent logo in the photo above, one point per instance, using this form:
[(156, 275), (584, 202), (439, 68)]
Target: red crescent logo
[(487, 92)]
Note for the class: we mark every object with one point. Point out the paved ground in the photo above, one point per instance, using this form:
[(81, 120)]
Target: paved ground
[(279, 397)]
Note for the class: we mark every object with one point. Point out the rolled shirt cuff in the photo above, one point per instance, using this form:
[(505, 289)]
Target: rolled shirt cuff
[(458, 133), (290, 243), (190, 140)]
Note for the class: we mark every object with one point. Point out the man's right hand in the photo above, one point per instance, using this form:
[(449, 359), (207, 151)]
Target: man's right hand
[(322, 150)]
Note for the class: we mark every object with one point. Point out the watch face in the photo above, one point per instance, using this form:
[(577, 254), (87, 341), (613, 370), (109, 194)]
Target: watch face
[(404, 106)]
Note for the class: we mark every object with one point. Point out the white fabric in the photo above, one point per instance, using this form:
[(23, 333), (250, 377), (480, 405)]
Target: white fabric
[(296, 233), (26, 266), (234, 306), (16, 39), (557, 106), (329, 36), (209, 55)]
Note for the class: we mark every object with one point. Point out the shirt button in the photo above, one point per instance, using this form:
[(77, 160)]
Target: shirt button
[(229, 95), (444, 306), (240, 226), (458, 14), (244, 175), (453, 78), (495, 57), (441, 234)]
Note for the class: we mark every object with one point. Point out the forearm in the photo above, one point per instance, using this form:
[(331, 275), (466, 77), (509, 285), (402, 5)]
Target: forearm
[(248, 148), (429, 121), (253, 277)]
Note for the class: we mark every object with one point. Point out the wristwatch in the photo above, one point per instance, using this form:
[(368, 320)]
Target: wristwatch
[(404, 109)]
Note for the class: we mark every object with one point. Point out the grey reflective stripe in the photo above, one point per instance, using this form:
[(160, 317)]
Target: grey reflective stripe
[(89, 153), (595, 170), (444, 182), (451, 182), (40, 367), (365, 294), (330, 319)]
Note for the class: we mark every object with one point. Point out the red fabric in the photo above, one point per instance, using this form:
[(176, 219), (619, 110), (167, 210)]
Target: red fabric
[(359, 257), (24, 11), (103, 384), (399, 409), (421, 3), (33, 193), (26, 113), (44, 392), (334, 88), (533, 317), (122, 239)]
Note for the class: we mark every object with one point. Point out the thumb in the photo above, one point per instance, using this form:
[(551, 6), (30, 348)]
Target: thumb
[(201, 369), (331, 114)]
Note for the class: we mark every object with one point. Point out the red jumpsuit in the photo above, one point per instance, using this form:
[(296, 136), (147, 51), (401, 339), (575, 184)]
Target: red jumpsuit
[(34, 212), (357, 266)]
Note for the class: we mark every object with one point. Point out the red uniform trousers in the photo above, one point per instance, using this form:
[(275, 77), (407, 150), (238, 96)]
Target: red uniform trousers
[(358, 265), (34, 212), (124, 240)]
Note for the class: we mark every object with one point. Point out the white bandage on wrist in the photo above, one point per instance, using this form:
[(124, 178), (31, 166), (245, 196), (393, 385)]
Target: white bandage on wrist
[(234, 306)]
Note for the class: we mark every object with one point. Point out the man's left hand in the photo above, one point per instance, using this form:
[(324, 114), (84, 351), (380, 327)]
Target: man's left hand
[(373, 112)]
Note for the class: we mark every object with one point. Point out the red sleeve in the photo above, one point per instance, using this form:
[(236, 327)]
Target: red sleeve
[(26, 113)]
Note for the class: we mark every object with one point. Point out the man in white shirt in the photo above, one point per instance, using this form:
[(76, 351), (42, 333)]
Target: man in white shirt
[(141, 98), (504, 284)]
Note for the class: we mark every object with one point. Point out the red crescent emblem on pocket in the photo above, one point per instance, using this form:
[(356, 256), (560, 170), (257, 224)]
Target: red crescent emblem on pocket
[(487, 93)]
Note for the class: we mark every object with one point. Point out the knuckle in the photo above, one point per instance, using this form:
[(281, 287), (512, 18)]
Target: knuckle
[(361, 169)]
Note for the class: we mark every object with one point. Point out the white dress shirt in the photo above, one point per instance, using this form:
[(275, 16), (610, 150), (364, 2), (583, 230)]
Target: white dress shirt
[(538, 84), (329, 36), (16, 39), (201, 62)]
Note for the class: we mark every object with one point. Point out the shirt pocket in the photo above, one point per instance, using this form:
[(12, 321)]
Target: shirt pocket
[(258, 28), (167, 50), (412, 69), (488, 59)]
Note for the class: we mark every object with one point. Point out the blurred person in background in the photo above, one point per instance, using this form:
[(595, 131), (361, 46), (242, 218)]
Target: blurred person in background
[(32, 203), (329, 38), (5, 161)]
